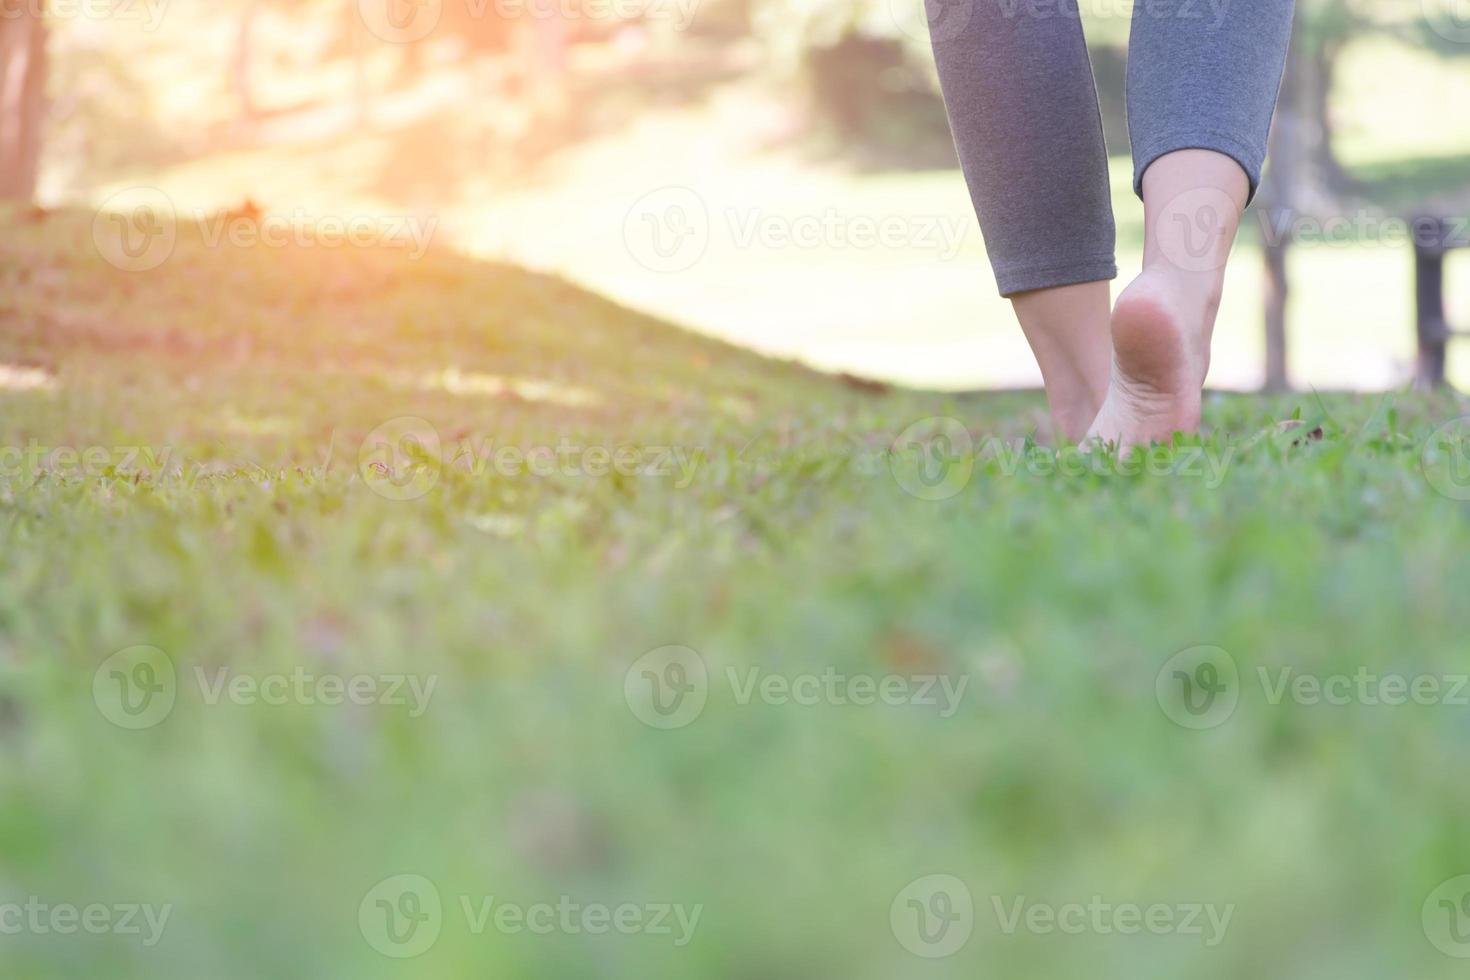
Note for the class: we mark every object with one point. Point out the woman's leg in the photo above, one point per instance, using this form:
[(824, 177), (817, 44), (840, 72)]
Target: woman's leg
[(1202, 85), (1023, 107)]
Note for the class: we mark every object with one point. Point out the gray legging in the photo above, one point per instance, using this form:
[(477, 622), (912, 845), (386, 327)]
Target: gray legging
[(1023, 107)]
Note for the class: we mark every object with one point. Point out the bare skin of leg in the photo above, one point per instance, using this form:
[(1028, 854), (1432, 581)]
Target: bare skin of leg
[(1163, 321), (1067, 328)]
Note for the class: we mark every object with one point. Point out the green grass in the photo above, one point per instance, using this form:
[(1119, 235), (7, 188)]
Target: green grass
[(259, 536)]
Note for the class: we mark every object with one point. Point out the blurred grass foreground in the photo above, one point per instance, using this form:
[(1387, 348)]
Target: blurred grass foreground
[(364, 616)]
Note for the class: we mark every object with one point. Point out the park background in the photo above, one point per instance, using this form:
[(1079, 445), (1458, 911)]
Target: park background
[(793, 155)]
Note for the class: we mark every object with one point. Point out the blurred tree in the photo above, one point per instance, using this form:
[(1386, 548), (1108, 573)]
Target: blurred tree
[(240, 66), (22, 100), (1305, 176)]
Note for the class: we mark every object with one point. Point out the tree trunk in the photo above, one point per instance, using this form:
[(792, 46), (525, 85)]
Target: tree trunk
[(240, 69), (356, 34), (22, 102), (1281, 197), (1326, 171), (1277, 292)]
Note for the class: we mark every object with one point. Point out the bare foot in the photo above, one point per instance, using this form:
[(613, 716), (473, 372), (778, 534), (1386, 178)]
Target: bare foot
[(1192, 202), (1161, 354)]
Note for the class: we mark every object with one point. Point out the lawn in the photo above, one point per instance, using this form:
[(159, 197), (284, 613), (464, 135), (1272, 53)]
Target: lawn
[(363, 616)]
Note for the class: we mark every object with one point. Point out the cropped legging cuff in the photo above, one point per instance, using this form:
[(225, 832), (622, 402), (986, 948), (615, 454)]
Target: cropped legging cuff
[(1023, 107), (1023, 279), (1251, 158)]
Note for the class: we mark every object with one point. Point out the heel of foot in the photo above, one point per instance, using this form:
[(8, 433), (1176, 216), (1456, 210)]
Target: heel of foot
[(1149, 343), (1158, 367)]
